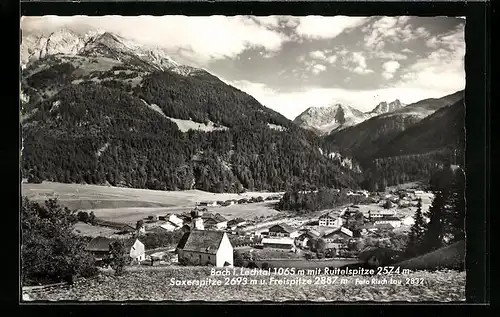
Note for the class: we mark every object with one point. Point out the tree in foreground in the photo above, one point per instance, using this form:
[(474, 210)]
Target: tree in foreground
[(50, 251), (416, 232), (118, 257)]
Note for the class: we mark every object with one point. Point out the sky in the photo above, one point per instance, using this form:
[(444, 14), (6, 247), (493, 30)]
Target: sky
[(292, 63)]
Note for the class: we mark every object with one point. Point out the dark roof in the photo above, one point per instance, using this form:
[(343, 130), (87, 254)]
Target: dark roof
[(328, 215), (204, 241), (235, 221), (285, 227), (337, 232), (99, 244), (389, 218)]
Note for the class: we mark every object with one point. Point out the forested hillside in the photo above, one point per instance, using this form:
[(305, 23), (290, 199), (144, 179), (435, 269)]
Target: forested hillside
[(112, 125), (421, 149)]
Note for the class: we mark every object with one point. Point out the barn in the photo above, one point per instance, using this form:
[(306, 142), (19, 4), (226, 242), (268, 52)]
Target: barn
[(205, 247), (283, 243), (99, 247), (283, 230)]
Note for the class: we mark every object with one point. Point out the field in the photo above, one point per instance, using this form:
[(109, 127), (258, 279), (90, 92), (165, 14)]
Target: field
[(154, 284), (128, 205), (93, 231)]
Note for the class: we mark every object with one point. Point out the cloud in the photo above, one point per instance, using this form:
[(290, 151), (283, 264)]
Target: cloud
[(389, 69), (291, 104), (388, 55), (324, 56), (317, 27), (443, 67), (199, 39), (317, 55), (318, 68), (390, 29), (356, 62)]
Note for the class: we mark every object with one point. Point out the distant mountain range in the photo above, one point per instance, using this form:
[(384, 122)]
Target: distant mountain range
[(330, 119), (364, 140), (324, 120), (99, 109)]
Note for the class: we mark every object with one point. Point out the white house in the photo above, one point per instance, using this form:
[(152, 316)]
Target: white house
[(283, 230), (394, 221), (329, 220), (205, 247), (342, 234), (137, 251), (285, 243), (373, 215)]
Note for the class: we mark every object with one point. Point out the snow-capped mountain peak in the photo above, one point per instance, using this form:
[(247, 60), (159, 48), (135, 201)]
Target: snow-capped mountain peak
[(384, 107), (94, 43), (335, 117)]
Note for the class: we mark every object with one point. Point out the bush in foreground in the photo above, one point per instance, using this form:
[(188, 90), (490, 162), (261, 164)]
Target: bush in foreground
[(50, 251)]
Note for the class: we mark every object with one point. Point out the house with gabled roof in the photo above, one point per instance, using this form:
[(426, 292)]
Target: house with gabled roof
[(138, 251), (283, 230), (99, 247), (205, 247)]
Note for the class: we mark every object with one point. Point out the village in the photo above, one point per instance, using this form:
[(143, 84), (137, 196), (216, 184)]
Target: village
[(204, 237)]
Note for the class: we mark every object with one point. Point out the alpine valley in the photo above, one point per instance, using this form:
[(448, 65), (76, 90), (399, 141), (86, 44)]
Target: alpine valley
[(99, 109)]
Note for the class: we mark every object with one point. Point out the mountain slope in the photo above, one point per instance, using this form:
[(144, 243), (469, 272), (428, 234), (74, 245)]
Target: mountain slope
[(104, 110), (365, 140), (442, 129), (324, 120)]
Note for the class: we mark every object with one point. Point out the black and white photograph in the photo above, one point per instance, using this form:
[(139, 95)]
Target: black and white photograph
[(242, 158)]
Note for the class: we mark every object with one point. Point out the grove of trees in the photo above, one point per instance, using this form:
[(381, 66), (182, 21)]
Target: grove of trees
[(50, 251), (446, 214)]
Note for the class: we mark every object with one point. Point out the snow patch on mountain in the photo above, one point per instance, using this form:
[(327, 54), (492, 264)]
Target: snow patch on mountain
[(186, 125), (276, 127)]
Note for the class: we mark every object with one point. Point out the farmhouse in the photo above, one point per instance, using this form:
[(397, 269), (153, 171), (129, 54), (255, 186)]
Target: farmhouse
[(137, 251), (394, 221), (204, 247), (329, 220), (208, 203), (99, 247), (235, 223), (175, 219), (305, 237), (284, 243), (339, 235), (170, 226), (365, 229), (375, 215), (216, 221), (283, 230)]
